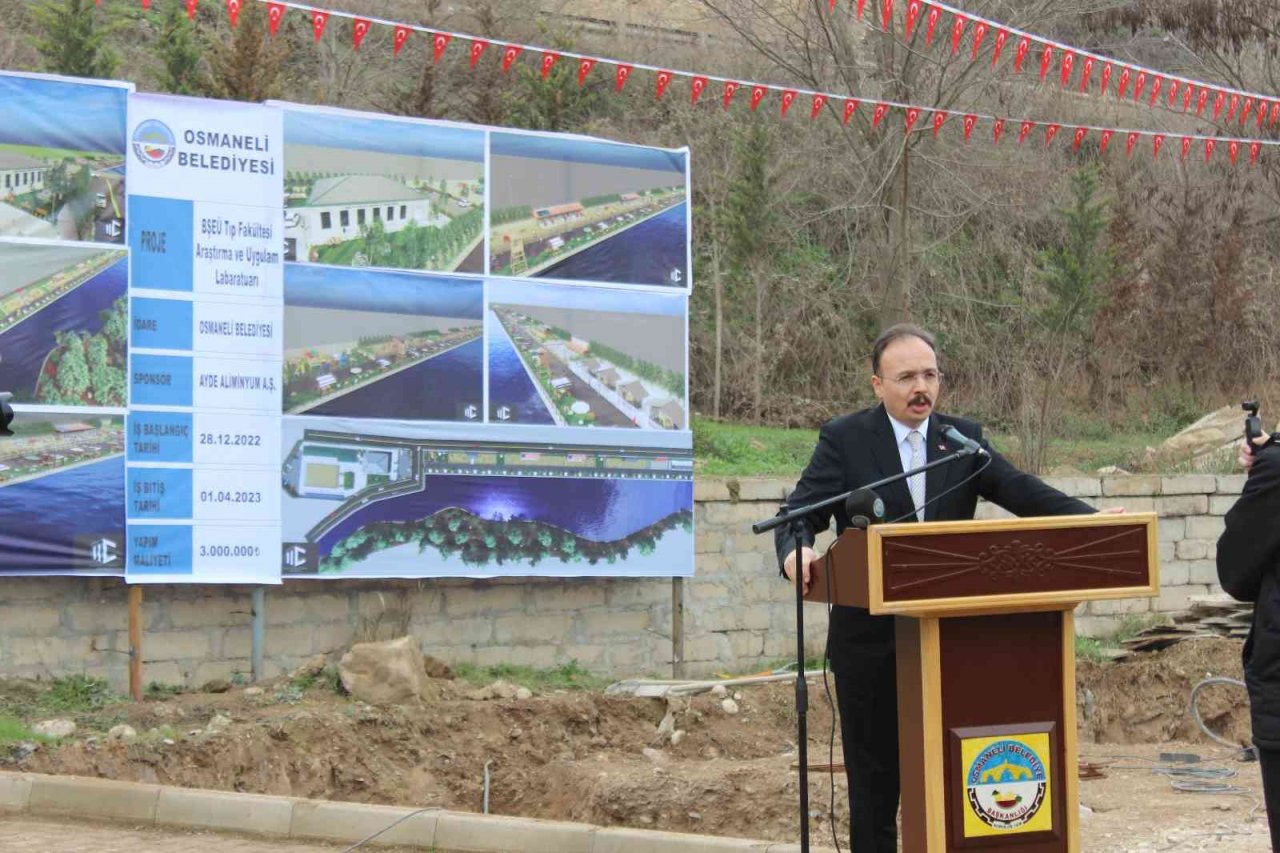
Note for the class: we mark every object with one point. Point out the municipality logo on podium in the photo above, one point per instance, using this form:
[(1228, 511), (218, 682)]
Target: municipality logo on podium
[(1006, 784)]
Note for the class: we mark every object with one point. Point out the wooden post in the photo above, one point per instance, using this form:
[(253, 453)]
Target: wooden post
[(677, 627), (135, 642)]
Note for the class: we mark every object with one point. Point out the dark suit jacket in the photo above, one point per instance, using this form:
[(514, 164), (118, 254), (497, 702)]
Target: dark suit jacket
[(860, 448)]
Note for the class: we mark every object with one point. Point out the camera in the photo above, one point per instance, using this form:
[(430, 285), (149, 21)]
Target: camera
[(1253, 427)]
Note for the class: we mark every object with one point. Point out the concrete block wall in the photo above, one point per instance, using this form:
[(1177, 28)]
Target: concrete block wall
[(738, 614)]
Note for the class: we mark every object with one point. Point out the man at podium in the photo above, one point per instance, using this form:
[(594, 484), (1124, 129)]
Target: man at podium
[(904, 432)]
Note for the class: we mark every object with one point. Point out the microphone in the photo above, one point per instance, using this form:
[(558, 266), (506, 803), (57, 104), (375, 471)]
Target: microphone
[(967, 445), (864, 507)]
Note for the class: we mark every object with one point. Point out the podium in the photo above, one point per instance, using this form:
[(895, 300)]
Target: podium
[(986, 663)]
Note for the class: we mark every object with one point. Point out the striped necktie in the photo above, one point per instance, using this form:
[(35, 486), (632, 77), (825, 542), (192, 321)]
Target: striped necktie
[(916, 483)]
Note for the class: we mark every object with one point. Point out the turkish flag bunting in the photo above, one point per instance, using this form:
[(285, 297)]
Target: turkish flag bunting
[(549, 58), (957, 30), (1068, 62), (233, 11), (620, 76), (1106, 78), (1086, 72), (1261, 113), (1218, 100), (1246, 109), (861, 4), (1157, 142), (275, 14), (1254, 148), (1231, 108), (318, 19), (695, 88), (509, 54), (1046, 57), (878, 115), (399, 38), (439, 41), (1050, 132), (1124, 82), (850, 105), (914, 8), (913, 114), (729, 88), (191, 8), (1275, 113), (886, 14), (1130, 141), (1233, 150), (979, 33), (969, 121), (585, 64), (1139, 85), (1155, 90), (1002, 36), (1201, 99), (757, 95), (819, 101), (997, 130), (1104, 140), (1024, 130), (1024, 45), (146, 4), (938, 118), (1209, 145), (1173, 92), (831, 5), (788, 98), (1187, 94), (661, 83), (477, 50), (934, 14), (1078, 137), (1186, 146), (359, 29)]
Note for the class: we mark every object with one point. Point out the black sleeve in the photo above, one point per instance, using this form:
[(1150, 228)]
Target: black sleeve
[(823, 477), (1021, 493), (1250, 546)]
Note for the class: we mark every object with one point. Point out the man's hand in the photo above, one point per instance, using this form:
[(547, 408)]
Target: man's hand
[(807, 556), (1247, 454)]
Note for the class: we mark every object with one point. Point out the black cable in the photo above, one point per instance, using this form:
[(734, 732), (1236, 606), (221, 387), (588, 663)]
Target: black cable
[(831, 704), (942, 494), (389, 827)]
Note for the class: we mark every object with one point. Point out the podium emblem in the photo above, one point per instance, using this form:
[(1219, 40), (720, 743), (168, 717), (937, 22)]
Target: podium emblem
[(1006, 784)]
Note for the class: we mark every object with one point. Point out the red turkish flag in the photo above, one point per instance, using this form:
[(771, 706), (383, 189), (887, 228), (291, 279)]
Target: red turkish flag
[(1124, 82), (757, 95), (1261, 113), (1105, 139), (861, 4), (661, 83), (957, 30), (1255, 148), (1174, 83), (1186, 146), (1129, 142), (914, 8), (913, 114), (1050, 132), (938, 118), (1275, 113), (729, 88), (439, 41), (146, 4), (509, 54), (1233, 150), (1024, 130), (275, 14), (477, 50), (819, 101), (1139, 84), (1218, 100), (1209, 145), (191, 8), (621, 75), (1201, 99), (549, 58), (399, 38), (831, 5), (1046, 57), (1187, 94), (359, 29), (969, 121), (585, 64), (1002, 36), (1231, 109), (233, 11), (1155, 90), (1106, 78), (934, 14), (878, 114), (850, 105), (1246, 109), (979, 33), (997, 130), (1068, 62), (788, 98), (318, 19), (1078, 137), (695, 88), (1024, 45), (1157, 142), (886, 14), (1086, 72)]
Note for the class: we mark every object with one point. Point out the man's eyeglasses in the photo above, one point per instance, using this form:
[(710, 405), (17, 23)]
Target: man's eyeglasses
[(906, 380)]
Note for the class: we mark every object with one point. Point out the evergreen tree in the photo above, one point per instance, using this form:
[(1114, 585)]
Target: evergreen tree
[(179, 51), (72, 39)]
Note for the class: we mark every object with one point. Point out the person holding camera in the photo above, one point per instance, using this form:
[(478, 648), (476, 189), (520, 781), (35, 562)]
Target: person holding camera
[(1249, 570)]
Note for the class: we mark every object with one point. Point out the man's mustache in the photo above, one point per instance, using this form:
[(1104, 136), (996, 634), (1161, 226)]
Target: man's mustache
[(921, 399)]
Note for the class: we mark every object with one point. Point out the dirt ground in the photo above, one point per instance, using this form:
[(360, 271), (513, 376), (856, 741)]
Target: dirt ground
[(609, 760)]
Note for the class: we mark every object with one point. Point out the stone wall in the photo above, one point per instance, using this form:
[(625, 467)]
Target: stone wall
[(737, 617)]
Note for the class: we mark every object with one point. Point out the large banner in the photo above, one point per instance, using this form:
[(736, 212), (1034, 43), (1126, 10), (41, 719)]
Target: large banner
[(363, 346)]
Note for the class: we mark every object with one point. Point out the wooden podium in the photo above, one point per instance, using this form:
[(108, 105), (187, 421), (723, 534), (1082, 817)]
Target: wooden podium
[(986, 663)]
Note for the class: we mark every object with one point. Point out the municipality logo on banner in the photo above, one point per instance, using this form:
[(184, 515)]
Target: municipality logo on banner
[(154, 143), (1007, 784)]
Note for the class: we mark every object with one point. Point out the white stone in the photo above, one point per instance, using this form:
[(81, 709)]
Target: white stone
[(219, 723), (719, 691), (677, 737), (251, 692), (122, 732), (54, 728), (730, 707), (523, 693), (657, 756)]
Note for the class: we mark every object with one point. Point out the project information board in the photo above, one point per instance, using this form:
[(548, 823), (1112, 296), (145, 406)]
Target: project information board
[(332, 344)]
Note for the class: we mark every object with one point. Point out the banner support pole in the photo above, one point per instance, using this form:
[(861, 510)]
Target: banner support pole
[(259, 630), (135, 642)]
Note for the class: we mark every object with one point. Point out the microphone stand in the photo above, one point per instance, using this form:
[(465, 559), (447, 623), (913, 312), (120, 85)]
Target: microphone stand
[(794, 519)]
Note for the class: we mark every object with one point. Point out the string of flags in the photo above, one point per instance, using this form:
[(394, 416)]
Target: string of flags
[(916, 118)]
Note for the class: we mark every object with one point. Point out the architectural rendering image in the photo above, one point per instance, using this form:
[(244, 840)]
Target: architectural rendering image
[(588, 211), (380, 344), (364, 504), (366, 192), (63, 324), (62, 160), (618, 363)]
